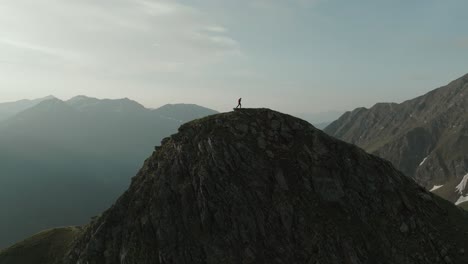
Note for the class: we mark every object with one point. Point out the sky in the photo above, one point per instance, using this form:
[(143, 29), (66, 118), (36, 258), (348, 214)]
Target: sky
[(300, 56)]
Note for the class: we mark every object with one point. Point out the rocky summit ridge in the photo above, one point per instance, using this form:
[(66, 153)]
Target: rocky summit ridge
[(425, 137), (258, 186)]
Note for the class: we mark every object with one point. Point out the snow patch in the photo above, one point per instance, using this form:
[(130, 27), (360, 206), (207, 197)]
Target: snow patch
[(436, 187), (462, 199), (462, 185), (424, 160)]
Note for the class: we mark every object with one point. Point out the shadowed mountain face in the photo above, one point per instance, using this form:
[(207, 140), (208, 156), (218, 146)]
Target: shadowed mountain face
[(62, 162), (426, 138), (257, 186)]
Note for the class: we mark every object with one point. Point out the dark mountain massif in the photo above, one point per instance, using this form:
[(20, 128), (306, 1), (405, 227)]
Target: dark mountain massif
[(62, 162), (258, 186), (426, 138)]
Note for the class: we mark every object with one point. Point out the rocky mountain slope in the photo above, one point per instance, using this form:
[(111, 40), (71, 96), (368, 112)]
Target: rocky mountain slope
[(62, 162), (258, 186), (426, 138)]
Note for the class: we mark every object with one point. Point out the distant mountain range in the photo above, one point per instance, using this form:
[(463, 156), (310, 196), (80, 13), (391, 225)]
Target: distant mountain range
[(61, 162), (10, 109), (322, 119), (426, 137)]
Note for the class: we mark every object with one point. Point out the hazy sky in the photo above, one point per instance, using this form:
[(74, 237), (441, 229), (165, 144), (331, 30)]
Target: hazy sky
[(291, 55)]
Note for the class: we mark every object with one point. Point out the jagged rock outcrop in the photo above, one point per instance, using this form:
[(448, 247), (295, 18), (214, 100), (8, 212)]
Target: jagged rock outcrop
[(257, 186), (426, 138)]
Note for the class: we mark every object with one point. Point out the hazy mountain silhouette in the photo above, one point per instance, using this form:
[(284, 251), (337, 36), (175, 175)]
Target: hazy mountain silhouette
[(65, 161), (182, 112), (10, 109), (125, 105), (426, 138), (322, 119), (258, 186)]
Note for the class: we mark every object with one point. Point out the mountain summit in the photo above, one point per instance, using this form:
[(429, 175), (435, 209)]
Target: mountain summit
[(10, 109), (258, 186), (90, 104), (426, 138)]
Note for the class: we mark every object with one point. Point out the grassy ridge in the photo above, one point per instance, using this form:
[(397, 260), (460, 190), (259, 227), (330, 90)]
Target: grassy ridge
[(47, 247)]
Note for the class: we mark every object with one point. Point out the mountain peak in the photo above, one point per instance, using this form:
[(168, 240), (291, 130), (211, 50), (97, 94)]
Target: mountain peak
[(180, 106), (47, 98), (183, 112), (259, 186), (10, 109), (89, 104), (49, 109), (50, 101), (423, 137), (80, 98)]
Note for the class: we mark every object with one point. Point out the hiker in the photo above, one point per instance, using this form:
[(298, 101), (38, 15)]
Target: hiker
[(239, 103)]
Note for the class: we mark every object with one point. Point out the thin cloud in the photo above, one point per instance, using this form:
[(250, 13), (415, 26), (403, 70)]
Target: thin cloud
[(118, 37), (159, 8), (38, 48), (224, 42)]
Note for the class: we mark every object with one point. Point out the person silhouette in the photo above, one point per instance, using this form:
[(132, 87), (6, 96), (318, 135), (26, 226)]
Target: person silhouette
[(239, 103)]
